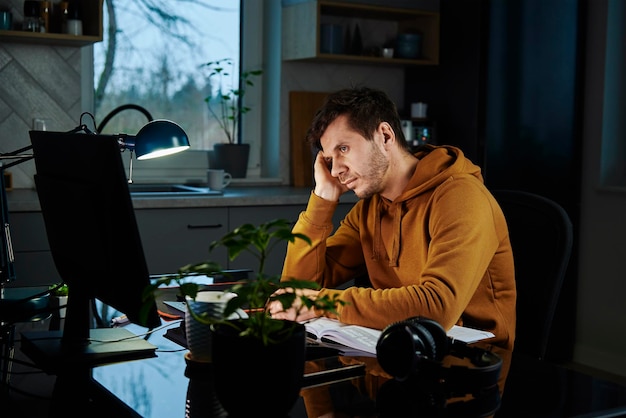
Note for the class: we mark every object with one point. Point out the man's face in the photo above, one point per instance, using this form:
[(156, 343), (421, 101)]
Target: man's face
[(356, 162)]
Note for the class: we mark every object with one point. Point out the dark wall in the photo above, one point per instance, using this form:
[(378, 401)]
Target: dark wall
[(454, 89), (508, 92), (533, 98)]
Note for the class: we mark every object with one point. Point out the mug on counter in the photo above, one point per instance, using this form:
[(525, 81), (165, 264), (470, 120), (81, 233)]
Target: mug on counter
[(218, 179)]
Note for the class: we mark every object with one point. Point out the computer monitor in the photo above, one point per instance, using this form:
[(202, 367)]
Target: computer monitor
[(96, 247)]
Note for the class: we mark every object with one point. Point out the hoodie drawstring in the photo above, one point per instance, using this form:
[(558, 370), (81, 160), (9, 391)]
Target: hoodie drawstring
[(395, 246)]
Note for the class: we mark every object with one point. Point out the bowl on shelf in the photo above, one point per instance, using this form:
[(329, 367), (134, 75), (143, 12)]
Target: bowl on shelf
[(409, 45)]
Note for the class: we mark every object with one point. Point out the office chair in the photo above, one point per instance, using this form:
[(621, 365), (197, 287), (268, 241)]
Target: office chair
[(541, 234), (16, 305)]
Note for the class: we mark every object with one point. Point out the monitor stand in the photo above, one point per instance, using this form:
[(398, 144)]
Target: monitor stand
[(78, 345)]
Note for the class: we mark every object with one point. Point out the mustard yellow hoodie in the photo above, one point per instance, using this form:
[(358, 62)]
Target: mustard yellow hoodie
[(440, 250)]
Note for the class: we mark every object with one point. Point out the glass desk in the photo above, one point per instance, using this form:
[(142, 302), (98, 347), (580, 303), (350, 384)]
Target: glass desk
[(160, 388)]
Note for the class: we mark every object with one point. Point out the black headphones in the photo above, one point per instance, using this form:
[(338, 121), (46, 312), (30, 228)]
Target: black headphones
[(416, 346)]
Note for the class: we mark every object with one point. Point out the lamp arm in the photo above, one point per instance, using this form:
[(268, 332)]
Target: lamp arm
[(16, 156), (83, 128), (127, 142), (119, 109), (17, 151)]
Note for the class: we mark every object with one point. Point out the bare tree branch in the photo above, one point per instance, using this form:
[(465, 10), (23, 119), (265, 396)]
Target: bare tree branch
[(107, 71)]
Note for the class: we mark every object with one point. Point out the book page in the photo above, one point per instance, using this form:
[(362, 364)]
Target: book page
[(365, 339), (317, 326), (468, 335), (361, 338), (332, 331)]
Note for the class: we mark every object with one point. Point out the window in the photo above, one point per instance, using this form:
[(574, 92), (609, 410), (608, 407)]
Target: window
[(613, 157), (159, 74), (159, 64)]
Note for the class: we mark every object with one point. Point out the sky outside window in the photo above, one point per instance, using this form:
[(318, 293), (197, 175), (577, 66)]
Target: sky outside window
[(159, 64)]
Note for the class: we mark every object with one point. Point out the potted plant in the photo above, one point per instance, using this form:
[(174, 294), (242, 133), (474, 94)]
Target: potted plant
[(58, 303), (258, 348), (226, 107)]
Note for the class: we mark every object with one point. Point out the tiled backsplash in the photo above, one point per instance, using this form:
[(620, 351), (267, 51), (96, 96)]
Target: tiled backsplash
[(42, 82)]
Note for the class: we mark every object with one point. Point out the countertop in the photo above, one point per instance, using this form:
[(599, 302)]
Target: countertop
[(26, 200)]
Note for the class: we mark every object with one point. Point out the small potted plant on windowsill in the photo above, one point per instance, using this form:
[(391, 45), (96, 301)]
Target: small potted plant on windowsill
[(226, 106), (258, 348)]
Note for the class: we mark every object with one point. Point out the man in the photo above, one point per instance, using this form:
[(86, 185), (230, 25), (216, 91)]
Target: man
[(426, 231)]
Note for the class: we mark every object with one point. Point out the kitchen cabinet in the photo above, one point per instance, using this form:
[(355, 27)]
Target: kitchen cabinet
[(33, 261), (175, 237), (302, 23), (172, 238), (91, 16)]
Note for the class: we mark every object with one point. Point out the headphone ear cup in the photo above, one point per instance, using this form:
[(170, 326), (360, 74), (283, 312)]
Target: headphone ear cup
[(403, 345), (438, 337), (428, 347)]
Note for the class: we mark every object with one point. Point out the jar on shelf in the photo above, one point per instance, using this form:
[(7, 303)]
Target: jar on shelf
[(61, 12), (32, 17), (45, 13), (74, 24)]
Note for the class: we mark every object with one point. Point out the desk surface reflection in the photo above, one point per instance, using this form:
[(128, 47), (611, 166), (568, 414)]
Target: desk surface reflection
[(166, 387)]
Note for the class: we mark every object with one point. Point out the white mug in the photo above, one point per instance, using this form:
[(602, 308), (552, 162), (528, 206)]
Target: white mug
[(218, 179), (75, 27), (211, 303), (418, 110)]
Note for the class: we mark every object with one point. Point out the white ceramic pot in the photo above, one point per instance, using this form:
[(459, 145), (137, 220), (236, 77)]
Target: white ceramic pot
[(198, 334)]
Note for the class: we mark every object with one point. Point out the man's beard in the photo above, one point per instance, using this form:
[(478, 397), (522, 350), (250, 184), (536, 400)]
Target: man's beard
[(374, 176)]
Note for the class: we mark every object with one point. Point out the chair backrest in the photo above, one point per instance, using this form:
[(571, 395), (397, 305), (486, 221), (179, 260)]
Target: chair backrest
[(541, 234)]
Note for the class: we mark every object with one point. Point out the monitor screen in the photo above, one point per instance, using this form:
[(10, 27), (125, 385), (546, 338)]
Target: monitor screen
[(91, 228)]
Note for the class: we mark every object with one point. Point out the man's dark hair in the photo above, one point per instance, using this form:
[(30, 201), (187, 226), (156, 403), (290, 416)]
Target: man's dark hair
[(365, 109)]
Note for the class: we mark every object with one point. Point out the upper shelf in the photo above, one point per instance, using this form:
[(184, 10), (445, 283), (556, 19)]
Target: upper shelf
[(378, 25), (62, 39), (91, 16)]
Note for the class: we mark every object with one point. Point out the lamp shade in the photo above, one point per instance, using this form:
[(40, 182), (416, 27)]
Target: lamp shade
[(159, 138)]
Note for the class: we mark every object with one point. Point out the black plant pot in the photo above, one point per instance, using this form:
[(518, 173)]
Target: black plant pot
[(252, 379), (201, 401), (232, 158)]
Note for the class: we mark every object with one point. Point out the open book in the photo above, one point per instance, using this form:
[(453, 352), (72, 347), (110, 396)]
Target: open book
[(327, 330)]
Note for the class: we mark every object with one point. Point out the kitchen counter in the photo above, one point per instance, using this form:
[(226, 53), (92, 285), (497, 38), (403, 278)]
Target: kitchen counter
[(26, 200), (174, 230)]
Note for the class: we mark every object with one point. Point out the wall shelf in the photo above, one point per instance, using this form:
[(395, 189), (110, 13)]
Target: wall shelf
[(91, 17), (378, 26), (47, 38)]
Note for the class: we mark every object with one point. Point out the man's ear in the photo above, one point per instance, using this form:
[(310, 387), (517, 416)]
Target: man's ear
[(387, 133)]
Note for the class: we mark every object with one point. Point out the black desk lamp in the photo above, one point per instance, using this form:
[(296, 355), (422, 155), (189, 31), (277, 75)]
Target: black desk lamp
[(156, 139)]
